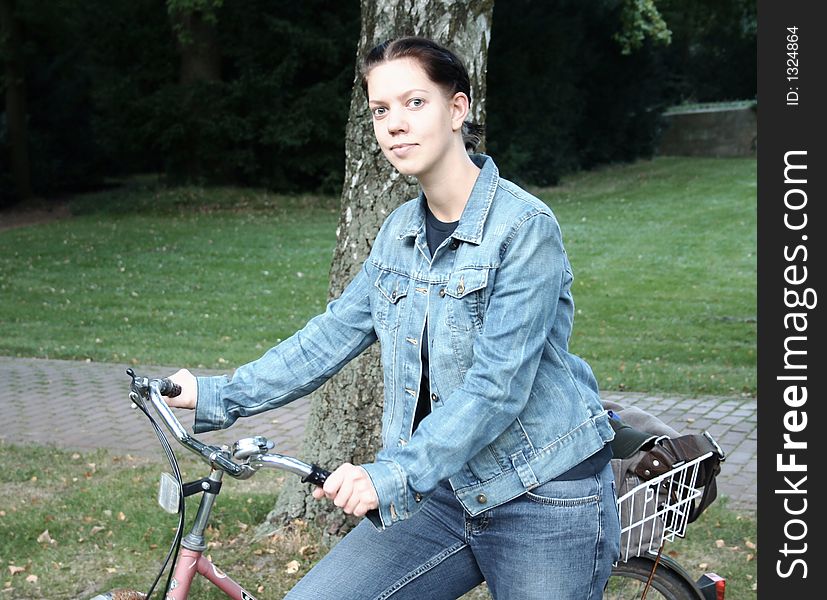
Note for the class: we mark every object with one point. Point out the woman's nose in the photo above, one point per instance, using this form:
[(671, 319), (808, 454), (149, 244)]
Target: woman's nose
[(396, 121)]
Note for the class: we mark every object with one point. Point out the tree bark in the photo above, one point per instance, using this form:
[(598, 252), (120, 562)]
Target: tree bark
[(15, 100), (345, 416)]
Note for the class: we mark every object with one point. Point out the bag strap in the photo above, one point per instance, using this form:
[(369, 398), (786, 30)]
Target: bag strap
[(690, 447)]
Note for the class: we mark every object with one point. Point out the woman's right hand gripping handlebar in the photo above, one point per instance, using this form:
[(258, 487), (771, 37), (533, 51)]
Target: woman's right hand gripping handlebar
[(189, 390)]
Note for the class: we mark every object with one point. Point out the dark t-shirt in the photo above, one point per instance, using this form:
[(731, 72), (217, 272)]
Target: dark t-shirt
[(436, 232)]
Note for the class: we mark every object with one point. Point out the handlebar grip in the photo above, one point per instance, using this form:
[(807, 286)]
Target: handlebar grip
[(169, 389), (317, 476)]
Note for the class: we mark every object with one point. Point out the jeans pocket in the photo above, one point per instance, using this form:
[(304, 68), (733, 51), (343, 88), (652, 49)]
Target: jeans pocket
[(575, 492)]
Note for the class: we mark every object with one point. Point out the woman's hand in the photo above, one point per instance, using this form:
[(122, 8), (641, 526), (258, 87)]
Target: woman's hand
[(351, 489), (189, 390)]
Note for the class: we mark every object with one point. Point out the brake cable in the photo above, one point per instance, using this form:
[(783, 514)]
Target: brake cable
[(140, 402)]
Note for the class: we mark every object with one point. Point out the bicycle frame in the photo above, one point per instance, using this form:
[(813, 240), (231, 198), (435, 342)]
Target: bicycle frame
[(191, 560), (251, 454)]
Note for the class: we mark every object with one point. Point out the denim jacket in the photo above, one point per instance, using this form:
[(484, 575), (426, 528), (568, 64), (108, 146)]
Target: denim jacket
[(511, 408)]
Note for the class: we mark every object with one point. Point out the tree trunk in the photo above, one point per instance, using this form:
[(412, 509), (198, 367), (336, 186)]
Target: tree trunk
[(15, 100), (345, 417), (198, 46), (197, 41)]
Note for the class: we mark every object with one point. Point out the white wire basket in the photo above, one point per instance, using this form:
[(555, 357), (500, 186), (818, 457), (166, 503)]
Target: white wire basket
[(657, 510)]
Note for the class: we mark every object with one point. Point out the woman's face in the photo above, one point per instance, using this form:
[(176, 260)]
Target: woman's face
[(415, 123)]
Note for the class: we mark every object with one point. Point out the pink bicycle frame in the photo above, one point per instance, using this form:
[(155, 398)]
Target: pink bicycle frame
[(192, 562)]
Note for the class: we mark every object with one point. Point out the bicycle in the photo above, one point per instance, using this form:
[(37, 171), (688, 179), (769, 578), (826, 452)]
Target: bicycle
[(648, 571)]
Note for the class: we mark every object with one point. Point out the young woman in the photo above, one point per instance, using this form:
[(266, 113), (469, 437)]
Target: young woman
[(495, 458)]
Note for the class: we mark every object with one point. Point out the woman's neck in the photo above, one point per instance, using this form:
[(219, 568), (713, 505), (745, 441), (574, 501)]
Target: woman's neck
[(448, 190)]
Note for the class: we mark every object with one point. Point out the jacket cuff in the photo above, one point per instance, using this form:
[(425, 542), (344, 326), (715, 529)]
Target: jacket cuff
[(397, 501), (209, 411)]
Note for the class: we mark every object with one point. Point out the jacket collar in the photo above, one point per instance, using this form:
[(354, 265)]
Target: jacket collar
[(472, 220)]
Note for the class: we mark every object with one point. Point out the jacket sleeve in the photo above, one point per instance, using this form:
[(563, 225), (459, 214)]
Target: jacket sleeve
[(496, 388), (296, 366)]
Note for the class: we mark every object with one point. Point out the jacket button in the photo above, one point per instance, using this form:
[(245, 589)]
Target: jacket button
[(434, 397), (418, 497), (460, 288), (393, 295), (482, 499), (442, 293), (647, 472), (454, 244)]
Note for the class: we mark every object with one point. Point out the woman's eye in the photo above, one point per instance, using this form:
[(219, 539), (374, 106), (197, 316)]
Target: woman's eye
[(416, 103), (378, 112)]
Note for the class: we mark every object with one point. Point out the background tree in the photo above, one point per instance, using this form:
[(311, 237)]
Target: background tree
[(10, 47), (713, 55), (345, 417)]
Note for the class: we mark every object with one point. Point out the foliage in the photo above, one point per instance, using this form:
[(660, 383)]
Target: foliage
[(713, 55), (549, 112), (105, 97), (640, 19)]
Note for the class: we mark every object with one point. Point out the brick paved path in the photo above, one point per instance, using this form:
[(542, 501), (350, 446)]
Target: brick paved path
[(84, 406)]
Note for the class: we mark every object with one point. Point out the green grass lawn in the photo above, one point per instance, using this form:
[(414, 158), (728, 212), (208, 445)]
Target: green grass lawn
[(664, 259), (664, 255), (73, 524)]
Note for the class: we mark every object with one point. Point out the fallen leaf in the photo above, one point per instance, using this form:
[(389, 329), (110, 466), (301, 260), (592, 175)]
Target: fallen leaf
[(121, 516), (96, 529), (111, 570), (720, 543), (2, 513), (750, 557), (260, 589), (292, 567), (45, 538), (749, 545), (34, 478), (15, 570), (703, 566), (31, 579)]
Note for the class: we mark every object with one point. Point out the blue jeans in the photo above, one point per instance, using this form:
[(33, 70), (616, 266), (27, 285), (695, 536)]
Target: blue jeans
[(557, 541)]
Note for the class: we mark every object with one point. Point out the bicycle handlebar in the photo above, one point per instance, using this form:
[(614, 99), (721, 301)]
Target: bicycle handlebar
[(143, 389), (253, 450)]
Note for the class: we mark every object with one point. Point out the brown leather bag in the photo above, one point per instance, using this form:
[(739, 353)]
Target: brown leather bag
[(668, 453)]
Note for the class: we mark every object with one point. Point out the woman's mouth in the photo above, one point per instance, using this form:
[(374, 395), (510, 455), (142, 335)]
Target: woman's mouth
[(402, 150)]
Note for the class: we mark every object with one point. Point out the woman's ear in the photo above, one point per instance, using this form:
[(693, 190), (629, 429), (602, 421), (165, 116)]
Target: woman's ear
[(459, 110)]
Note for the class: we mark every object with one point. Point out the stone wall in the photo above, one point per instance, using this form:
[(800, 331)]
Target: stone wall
[(710, 132)]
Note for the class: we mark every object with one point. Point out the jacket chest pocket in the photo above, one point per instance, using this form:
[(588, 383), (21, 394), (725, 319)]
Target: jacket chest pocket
[(467, 298), (388, 300)]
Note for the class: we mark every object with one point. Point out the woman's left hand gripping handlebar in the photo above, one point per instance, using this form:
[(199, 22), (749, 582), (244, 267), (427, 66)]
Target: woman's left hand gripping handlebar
[(351, 489), (189, 390)]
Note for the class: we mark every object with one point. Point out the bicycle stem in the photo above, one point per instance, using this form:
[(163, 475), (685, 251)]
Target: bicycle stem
[(195, 540)]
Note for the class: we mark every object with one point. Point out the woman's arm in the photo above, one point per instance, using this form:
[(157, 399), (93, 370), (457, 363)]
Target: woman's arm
[(296, 366)]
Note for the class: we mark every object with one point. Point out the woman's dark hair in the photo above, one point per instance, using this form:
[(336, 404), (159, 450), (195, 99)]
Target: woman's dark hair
[(442, 66)]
